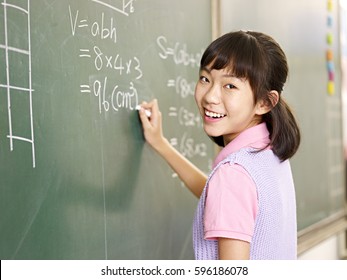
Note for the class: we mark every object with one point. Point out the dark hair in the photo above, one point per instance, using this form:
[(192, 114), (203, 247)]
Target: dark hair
[(258, 58)]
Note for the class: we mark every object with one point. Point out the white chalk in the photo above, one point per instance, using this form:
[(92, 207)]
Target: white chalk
[(148, 112)]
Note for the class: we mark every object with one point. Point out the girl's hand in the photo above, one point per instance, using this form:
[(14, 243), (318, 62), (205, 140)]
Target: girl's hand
[(192, 177), (152, 127)]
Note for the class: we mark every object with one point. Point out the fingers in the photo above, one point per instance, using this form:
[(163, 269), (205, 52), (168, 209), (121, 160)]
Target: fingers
[(154, 120), (152, 126), (144, 119), (152, 106)]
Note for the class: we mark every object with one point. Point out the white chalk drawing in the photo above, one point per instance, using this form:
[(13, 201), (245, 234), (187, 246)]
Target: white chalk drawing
[(9, 86), (125, 9)]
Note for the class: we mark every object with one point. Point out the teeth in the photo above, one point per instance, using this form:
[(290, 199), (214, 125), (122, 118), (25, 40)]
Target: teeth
[(213, 115)]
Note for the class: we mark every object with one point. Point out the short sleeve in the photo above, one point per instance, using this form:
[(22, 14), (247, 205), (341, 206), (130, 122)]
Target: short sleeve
[(231, 204)]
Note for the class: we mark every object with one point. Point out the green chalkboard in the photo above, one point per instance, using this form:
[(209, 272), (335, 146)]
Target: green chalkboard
[(77, 180)]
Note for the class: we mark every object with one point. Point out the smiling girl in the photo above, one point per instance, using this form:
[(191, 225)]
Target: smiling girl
[(247, 206)]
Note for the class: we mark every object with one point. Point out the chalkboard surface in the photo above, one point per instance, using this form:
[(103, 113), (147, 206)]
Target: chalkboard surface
[(77, 180)]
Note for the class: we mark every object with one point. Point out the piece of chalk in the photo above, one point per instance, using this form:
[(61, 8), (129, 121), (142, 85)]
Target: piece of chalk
[(148, 112)]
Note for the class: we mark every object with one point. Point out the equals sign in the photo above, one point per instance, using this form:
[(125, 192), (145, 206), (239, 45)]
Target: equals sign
[(85, 88), (84, 53), (171, 83), (83, 23), (170, 51), (173, 112)]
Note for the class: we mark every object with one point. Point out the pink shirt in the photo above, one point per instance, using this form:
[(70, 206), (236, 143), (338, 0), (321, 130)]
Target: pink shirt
[(231, 201)]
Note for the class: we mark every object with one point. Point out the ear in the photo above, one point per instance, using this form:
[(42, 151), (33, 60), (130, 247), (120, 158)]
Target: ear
[(265, 105)]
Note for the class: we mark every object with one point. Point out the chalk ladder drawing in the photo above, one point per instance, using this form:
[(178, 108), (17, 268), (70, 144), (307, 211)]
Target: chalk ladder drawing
[(8, 86)]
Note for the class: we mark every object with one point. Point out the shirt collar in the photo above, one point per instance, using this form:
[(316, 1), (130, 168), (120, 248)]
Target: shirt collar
[(255, 137)]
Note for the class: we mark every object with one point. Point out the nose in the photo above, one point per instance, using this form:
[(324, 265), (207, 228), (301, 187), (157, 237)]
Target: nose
[(212, 96)]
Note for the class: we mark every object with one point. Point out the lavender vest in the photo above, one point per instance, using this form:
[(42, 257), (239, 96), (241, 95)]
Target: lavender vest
[(275, 232)]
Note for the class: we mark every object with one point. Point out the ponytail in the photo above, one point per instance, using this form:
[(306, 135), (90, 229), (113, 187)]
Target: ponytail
[(284, 130)]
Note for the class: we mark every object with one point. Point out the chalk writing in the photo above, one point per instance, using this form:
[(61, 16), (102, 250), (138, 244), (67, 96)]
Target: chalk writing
[(178, 52), (189, 147), (183, 87), (112, 96), (9, 86), (125, 9), (109, 96), (185, 117), (103, 29), (116, 62)]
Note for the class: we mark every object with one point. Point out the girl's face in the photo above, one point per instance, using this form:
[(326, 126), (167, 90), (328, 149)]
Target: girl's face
[(226, 104)]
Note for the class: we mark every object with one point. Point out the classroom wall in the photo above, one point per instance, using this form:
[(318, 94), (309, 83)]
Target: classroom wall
[(326, 250), (343, 41)]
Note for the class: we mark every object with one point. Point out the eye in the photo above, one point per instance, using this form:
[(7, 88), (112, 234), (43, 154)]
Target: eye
[(230, 86), (203, 79)]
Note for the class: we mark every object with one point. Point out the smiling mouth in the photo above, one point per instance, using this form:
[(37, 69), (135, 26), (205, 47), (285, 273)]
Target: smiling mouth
[(213, 115)]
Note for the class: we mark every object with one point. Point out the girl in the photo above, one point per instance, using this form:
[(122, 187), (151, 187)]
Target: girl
[(247, 204)]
